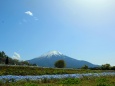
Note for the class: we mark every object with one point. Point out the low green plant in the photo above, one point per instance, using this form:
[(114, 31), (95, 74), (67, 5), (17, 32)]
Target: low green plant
[(93, 81), (70, 81), (103, 84), (101, 80)]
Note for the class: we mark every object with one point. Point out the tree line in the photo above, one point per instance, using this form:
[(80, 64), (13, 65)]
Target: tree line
[(5, 59), (62, 64)]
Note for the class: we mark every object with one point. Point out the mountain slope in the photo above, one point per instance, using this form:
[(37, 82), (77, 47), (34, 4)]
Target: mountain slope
[(48, 60)]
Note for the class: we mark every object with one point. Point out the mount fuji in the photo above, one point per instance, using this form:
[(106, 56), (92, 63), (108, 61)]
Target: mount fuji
[(48, 60)]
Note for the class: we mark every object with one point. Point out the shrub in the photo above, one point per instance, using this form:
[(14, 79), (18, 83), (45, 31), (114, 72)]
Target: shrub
[(113, 68), (85, 67), (7, 60), (106, 67), (60, 64)]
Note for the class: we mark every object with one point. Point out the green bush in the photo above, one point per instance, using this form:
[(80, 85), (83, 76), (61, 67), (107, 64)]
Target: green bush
[(60, 64), (106, 67), (85, 67)]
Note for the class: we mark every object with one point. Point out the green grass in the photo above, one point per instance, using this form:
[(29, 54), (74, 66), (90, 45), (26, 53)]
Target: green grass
[(21, 70), (86, 81)]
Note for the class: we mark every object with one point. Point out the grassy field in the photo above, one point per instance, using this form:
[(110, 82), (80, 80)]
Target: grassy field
[(26, 70), (86, 81)]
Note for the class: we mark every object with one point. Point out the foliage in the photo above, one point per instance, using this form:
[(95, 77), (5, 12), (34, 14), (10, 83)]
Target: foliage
[(70, 81), (4, 59), (113, 68), (32, 70), (7, 60), (95, 68), (85, 67), (60, 64), (103, 82), (106, 67), (93, 81)]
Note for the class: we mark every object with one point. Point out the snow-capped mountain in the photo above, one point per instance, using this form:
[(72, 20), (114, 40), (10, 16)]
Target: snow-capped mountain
[(51, 53), (49, 59)]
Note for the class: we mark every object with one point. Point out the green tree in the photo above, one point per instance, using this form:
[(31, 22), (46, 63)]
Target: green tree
[(113, 68), (7, 60), (106, 67), (85, 67), (60, 64), (3, 57)]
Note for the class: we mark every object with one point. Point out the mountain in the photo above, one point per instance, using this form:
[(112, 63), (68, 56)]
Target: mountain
[(48, 60)]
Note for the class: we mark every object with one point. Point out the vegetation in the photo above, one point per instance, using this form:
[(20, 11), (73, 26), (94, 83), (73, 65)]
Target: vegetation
[(85, 81), (85, 67), (24, 68), (32, 70), (4, 59), (106, 67), (113, 68), (7, 60), (60, 64)]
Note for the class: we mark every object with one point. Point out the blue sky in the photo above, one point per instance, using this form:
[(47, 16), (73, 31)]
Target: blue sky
[(82, 29)]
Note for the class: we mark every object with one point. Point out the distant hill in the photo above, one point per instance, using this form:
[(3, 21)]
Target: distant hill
[(11, 61), (48, 60)]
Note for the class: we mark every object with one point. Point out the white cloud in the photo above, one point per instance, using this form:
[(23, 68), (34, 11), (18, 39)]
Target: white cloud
[(16, 56), (29, 13)]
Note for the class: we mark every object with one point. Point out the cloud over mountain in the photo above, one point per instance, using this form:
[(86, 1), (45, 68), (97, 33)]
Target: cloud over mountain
[(29, 13), (16, 56)]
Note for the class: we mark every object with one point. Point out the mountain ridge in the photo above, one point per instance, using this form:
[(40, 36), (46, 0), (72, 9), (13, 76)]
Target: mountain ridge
[(48, 59)]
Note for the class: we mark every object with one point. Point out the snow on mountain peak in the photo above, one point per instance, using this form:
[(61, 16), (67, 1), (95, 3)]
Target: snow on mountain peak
[(52, 53)]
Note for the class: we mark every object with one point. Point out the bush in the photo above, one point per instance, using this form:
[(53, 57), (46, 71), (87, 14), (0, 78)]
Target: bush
[(113, 68), (106, 67), (85, 67), (7, 60), (60, 64)]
